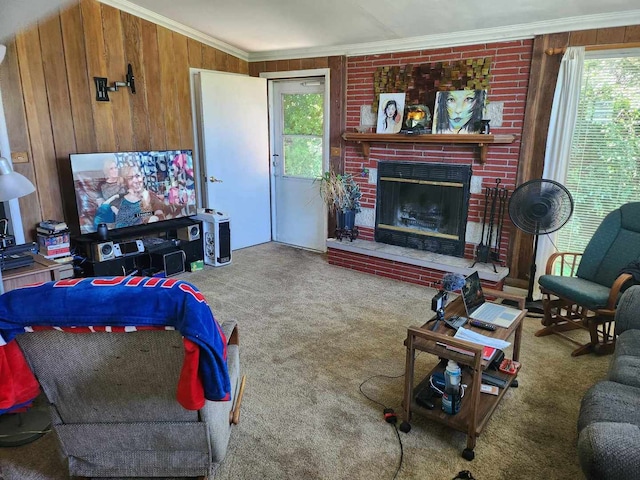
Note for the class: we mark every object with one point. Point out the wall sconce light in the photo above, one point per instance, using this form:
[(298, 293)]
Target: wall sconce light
[(102, 87)]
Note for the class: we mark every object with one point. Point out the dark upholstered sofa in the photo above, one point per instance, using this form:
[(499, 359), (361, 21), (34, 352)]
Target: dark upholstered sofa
[(609, 421)]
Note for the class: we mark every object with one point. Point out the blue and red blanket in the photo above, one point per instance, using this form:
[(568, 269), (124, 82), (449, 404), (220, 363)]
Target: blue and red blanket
[(111, 304)]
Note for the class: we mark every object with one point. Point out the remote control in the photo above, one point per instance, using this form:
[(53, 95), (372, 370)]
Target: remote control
[(482, 325)]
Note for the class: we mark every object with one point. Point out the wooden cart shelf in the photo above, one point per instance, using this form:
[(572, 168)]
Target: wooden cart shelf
[(481, 141)]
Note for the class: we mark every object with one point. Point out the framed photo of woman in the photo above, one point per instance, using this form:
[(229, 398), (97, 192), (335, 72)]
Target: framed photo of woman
[(390, 111), (459, 111)]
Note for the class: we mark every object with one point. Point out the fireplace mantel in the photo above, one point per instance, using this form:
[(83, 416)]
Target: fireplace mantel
[(481, 141)]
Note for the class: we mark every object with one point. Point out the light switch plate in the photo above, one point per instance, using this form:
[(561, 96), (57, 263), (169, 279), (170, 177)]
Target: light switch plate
[(19, 157)]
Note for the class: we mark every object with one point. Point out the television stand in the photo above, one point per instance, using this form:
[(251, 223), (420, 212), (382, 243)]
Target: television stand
[(170, 246)]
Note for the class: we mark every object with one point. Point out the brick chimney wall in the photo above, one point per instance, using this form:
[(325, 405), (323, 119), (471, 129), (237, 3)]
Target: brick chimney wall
[(509, 75)]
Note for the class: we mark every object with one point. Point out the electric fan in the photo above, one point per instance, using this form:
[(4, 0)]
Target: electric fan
[(539, 207)]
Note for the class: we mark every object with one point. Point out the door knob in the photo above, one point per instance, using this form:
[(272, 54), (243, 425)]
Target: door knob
[(214, 180)]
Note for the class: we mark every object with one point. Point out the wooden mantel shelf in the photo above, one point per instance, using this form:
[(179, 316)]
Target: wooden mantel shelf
[(482, 141)]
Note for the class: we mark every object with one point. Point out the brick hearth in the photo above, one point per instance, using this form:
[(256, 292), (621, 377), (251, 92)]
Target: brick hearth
[(408, 264)]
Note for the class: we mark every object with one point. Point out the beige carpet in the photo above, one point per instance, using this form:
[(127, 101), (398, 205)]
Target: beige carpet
[(310, 334)]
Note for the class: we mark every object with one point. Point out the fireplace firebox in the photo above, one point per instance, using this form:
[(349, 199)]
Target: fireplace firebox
[(423, 206)]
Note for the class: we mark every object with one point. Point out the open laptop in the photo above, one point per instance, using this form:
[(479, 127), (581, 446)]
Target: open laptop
[(478, 308)]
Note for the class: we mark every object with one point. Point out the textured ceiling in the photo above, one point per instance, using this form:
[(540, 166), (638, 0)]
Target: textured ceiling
[(278, 25)]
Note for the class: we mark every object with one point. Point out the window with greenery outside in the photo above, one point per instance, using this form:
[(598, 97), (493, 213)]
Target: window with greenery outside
[(604, 167), (302, 134)]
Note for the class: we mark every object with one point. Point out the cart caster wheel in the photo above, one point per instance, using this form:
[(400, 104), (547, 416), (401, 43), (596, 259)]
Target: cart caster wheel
[(514, 384), (405, 427), (468, 454)]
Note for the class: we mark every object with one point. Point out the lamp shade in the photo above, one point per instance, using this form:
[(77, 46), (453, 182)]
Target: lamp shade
[(12, 184)]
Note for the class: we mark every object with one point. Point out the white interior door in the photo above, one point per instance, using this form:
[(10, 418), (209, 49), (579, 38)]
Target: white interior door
[(299, 155), (233, 133)]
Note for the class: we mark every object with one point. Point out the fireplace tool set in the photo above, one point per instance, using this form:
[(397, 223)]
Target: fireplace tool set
[(488, 250)]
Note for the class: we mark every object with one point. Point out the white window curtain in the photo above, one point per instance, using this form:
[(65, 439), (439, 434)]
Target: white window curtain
[(561, 126)]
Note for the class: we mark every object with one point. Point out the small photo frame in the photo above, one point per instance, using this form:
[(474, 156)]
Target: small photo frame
[(390, 111), (459, 111)]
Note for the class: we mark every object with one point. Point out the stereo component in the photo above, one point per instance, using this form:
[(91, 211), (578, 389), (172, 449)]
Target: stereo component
[(190, 233), (104, 251), (127, 248)]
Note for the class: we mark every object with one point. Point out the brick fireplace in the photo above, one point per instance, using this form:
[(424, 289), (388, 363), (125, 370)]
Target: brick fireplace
[(510, 65)]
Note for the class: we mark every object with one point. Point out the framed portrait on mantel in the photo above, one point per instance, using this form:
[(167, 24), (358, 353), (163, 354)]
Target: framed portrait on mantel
[(459, 111), (390, 110)]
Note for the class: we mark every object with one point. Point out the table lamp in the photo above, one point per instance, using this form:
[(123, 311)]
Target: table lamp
[(12, 184)]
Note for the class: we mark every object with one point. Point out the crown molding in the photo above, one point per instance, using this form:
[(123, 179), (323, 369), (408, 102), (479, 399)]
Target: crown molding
[(470, 37), (426, 42), (153, 17)]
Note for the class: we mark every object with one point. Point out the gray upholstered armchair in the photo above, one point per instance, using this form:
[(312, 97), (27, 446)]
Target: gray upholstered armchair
[(114, 408), (582, 290), (157, 401)]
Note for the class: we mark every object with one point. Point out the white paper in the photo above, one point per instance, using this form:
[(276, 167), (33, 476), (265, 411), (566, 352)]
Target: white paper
[(473, 337)]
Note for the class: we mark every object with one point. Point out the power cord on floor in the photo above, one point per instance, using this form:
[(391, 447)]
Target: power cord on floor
[(390, 416)]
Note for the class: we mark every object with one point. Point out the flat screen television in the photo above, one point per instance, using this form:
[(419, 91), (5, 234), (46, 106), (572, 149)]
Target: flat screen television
[(125, 189)]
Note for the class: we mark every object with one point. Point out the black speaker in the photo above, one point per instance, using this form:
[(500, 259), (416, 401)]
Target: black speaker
[(103, 251), (190, 233), (170, 261), (193, 251), (173, 263)]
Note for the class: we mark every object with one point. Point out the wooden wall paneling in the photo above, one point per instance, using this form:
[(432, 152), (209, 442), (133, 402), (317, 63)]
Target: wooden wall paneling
[(55, 75), (195, 53), (81, 96), (632, 34), (152, 86), (255, 68), (181, 72), (39, 122), (233, 64), (222, 61), (337, 118), (97, 67), (138, 101), (12, 99), (168, 88), (610, 35), (117, 72), (243, 67), (208, 57), (583, 37), (542, 84), (307, 63)]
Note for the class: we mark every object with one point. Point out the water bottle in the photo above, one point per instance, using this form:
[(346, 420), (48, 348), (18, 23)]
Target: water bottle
[(452, 395)]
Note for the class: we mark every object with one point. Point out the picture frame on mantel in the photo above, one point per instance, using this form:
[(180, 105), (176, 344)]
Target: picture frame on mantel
[(459, 111), (390, 112)]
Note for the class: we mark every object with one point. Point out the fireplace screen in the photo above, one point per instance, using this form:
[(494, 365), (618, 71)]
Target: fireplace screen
[(423, 206)]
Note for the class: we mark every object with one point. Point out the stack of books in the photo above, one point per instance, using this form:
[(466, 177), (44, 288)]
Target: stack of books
[(54, 241)]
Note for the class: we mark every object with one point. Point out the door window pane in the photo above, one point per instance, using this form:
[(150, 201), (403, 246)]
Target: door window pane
[(303, 129), (303, 113), (302, 156)]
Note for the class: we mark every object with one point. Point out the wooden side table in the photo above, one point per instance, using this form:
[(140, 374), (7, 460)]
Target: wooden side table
[(42, 270), (476, 407)]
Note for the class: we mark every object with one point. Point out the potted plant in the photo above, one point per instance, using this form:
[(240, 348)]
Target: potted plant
[(342, 195)]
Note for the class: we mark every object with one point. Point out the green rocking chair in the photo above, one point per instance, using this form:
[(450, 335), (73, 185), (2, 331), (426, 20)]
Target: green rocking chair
[(581, 290)]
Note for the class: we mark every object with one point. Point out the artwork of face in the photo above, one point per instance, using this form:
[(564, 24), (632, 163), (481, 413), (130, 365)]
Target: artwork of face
[(460, 105), (458, 111), (390, 111)]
